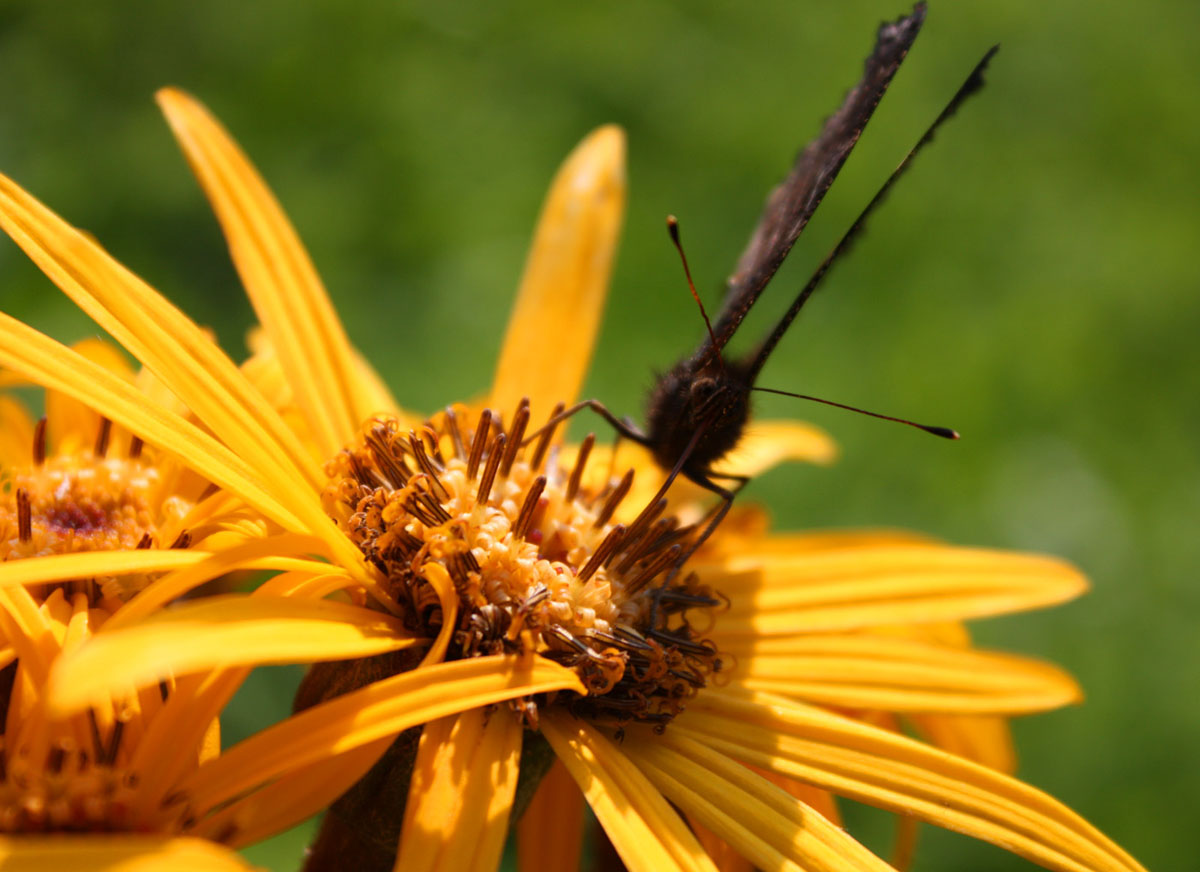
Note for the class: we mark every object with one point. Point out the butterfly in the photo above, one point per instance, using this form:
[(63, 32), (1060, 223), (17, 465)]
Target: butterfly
[(698, 410)]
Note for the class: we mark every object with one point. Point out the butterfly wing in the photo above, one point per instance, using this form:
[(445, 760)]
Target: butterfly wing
[(793, 202)]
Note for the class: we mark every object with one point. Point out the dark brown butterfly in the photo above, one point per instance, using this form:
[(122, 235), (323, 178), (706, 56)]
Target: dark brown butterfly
[(698, 410)]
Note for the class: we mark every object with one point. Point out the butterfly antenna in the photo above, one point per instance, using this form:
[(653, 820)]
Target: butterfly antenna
[(944, 432), (972, 84), (673, 230)]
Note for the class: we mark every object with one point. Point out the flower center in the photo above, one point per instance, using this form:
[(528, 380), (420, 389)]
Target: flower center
[(86, 502), (536, 558)]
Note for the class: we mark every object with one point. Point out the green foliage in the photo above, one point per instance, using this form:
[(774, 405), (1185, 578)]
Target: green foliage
[(1032, 282)]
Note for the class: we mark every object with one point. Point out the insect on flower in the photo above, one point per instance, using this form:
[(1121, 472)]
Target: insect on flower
[(698, 410)]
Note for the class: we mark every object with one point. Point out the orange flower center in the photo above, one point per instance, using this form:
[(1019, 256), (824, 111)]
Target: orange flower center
[(536, 559)]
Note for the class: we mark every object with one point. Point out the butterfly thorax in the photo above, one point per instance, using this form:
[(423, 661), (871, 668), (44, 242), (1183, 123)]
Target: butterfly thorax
[(702, 398)]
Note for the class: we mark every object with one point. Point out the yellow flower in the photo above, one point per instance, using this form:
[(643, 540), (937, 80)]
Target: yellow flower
[(742, 689)]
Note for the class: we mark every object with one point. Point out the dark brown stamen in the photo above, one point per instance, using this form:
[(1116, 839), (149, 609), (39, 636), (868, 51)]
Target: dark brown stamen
[(101, 447), (39, 442), (585, 448), (164, 690), (646, 517), (24, 515), (520, 422), (521, 526), (495, 450), (147, 541), (660, 562), (114, 744), (539, 453), (391, 465), (417, 444), (97, 739), (603, 552), (479, 442), (183, 540), (455, 434), (614, 499), (135, 447), (435, 447)]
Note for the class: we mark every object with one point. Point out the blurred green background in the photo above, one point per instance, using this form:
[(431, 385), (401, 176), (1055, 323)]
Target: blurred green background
[(1032, 282)]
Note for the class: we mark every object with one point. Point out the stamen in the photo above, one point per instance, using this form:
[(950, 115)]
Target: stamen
[(660, 562), (585, 448), (614, 499), (455, 434), (392, 466), (135, 447), (539, 453), (101, 447), (39, 442), (521, 524), (435, 449), (147, 541), (495, 450), (602, 553), (24, 516), (482, 432), (183, 540), (426, 464), (520, 421)]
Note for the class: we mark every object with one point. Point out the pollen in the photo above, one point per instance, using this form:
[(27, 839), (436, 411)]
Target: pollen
[(538, 561)]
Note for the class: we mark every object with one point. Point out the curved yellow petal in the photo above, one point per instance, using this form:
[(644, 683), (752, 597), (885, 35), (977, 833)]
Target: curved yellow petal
[(984, 739), (293, 798), (891, 771), (279, 277), (219, 632), (766, 444), (762, 822), (116, 853), (644, 829), (463, 783), (384, 708), (550, 833), (900, 675), (776, 594), (554, 324), (71, 425)]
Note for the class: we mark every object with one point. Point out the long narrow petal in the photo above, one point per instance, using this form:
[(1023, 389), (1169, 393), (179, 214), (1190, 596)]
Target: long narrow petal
[(554, 324), (279, 277), (294, 798), (984, 739), (463, 783), (119, 853), (218, 632), (159, 335), (550, 833), (885, 769), (645, 830), (903, 675), (765, 824), (384, 708), (766, 444), (778, 594)]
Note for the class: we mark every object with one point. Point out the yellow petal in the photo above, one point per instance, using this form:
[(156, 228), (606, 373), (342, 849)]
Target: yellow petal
[(986, 740), (384, 708), (57, 367), (762, 822), (117, 853), (554, 324), (463, 783), (550, 833), (885, 769), (766, 444), (644, 829), (71, 426), (217, 632), (159, 335), (294, 798), (16, 434), (785, 594), (279, 277), (896, 674)]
